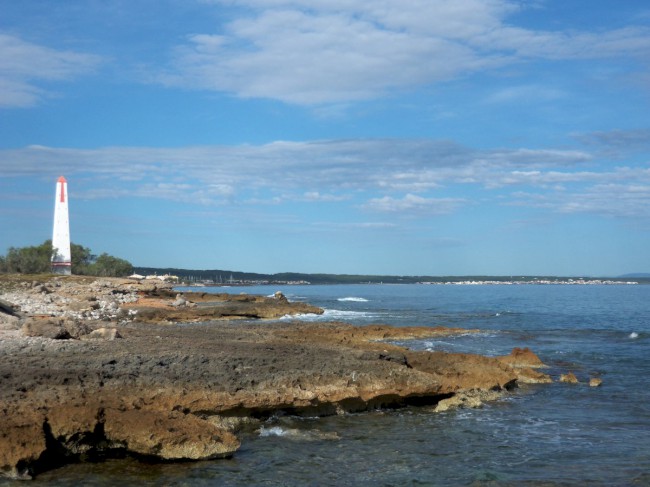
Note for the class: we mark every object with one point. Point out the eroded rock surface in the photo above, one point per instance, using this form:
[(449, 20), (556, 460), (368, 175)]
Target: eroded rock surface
[(180, 391)]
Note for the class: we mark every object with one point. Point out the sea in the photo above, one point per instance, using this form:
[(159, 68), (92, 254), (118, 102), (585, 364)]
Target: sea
[(555, 434)]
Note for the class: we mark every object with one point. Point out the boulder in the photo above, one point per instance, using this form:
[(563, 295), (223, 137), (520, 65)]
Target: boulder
[(595, 382), (46, 328)]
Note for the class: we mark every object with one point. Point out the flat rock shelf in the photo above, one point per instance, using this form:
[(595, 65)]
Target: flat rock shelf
[(97, 368)]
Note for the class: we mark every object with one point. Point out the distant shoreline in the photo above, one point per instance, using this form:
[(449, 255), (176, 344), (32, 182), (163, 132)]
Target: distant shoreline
[(216, 277)]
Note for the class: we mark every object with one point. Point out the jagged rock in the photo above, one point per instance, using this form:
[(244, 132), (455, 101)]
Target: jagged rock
[(595, 382), (569, 378)]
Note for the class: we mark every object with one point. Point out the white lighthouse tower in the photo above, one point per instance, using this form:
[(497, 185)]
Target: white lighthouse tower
[(61, 256)]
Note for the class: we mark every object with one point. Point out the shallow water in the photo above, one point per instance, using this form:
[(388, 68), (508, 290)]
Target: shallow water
[(557, 434)]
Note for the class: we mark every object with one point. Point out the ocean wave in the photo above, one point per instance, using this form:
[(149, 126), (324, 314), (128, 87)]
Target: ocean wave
[(298, 434), (332, 314), (353, 299), (634, 335)]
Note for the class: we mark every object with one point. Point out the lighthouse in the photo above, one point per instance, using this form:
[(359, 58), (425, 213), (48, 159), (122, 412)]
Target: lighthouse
[(61, 256)]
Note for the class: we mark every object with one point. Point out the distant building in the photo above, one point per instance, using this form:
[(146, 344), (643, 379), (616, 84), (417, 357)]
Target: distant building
[(61, 256)]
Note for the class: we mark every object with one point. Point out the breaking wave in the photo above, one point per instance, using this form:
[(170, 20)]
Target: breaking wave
[(353, 299), (334, 315), (298, 434)]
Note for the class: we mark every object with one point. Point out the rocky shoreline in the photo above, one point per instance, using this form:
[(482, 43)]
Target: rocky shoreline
[(93, 368)]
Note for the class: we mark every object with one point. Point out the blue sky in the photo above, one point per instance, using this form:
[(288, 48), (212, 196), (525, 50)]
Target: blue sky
[(410, 137)]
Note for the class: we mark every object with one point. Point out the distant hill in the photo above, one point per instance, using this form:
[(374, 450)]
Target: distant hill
[(644, 275)]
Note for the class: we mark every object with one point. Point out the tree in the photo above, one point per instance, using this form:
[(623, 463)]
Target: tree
[(38, 260), (108, 266), (82, 259), (29, 260)]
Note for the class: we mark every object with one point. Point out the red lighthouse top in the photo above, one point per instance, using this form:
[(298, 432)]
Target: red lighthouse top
[(62, 195)]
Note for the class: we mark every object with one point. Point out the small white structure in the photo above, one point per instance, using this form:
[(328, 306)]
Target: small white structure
[(61, 256)]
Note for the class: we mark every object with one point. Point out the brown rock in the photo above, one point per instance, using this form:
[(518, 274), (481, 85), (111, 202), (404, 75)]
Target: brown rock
[(595, 382), (148, 393), (22, 442), (522, 357), (569, 378), (526, 375), (172, 436), (45, 327)]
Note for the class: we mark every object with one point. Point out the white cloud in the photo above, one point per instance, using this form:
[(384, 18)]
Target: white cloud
[(413, 204), (334, 51), (24, 65)]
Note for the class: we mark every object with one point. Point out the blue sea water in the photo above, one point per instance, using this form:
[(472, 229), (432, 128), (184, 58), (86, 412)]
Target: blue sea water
[(541, 435)]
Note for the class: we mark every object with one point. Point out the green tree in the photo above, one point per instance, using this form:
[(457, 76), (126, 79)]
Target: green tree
[(82, 259), (38, 260), (108, 266), (29, 260)]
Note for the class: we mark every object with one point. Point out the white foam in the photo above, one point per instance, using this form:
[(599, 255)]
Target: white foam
[(273, 431), (633, 335), (332, 314), (297, 434), (353, 299)]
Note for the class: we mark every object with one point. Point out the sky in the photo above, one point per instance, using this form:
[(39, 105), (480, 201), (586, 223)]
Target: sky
[(401, 137)]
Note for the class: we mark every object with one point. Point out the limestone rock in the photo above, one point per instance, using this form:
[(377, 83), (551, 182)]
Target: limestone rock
[(595, 382), (173, 436), (22, 441), (468, 399)]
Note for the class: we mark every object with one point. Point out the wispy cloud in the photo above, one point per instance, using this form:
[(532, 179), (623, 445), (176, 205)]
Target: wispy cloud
[(24, 66), (406, 177), (414, 205), (626, 200), (322, 52)]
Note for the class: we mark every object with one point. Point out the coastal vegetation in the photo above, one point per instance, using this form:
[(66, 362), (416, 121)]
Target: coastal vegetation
[(37, 260)]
